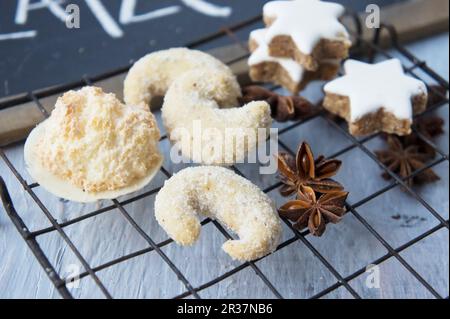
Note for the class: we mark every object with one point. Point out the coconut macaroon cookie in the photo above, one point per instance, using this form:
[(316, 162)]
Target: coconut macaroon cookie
[(220, 194), (94, 147)]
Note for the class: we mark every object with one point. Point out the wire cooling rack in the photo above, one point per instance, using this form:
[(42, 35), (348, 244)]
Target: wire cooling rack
[(229, 33)]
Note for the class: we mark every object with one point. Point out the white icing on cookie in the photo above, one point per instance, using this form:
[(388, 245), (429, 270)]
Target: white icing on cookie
[(261, 54), (372, 86), (306, 21)]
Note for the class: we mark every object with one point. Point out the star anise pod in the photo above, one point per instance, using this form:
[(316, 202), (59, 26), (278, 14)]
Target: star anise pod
[(283, 108), (254, 93), (305, 171), (429, 127), (308, 211), (404, 160), (436, 95)]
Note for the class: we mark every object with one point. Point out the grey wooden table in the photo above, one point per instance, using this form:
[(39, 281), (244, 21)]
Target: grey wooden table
[(293, 270)]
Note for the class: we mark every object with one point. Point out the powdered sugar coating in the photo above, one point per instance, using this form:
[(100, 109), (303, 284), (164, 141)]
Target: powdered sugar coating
[(220, 194), (152, 74), (200, 91), (306, 21), (201, 104)]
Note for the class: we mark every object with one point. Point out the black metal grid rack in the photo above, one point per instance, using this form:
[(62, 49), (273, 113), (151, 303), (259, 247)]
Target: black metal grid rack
[(229, 32)]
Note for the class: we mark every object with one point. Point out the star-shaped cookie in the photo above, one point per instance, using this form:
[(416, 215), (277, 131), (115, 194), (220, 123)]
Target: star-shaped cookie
[(283, 71), (306, 30), (260, 54), (376, 97)]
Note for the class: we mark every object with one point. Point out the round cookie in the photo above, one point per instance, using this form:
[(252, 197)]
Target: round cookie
[(94, 147), (220, 194)]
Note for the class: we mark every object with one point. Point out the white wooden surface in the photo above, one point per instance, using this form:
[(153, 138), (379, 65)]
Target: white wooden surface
[(294, 270)]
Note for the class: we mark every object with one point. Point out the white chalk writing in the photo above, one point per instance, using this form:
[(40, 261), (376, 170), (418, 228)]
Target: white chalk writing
[(127, 14), (208, 8), (18, 35), (128, 7), (24, 6), (105, 19)]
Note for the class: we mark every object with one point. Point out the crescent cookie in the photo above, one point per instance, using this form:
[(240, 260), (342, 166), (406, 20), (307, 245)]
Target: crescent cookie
[(200, 122), (220, 194), (94, 147), (152, 74), (200, 109)]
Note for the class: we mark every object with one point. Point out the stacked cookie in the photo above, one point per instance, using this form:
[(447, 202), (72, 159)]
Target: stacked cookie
[(303, 41)]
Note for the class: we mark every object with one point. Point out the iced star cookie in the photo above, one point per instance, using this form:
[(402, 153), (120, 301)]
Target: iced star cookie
[(283, 71), (307, 31), (376, 97)]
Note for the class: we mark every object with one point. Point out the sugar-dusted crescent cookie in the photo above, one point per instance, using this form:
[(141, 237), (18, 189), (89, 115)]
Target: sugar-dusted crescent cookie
[(306, 30), (200, 108), (284, 71), (202, 121), (376, 97), (94, 147), (220, 194), (201, 111), (152, 74)]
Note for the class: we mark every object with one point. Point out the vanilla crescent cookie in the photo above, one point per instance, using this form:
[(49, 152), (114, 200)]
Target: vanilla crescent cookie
[(152, 74), (376, 97), (201, 122), (200, 110), (220, 194), (94, 147)]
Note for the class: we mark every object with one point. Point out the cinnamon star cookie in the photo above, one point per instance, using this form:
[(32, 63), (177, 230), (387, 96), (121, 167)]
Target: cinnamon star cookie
[(284, 71), (378, 97), (307, 31)]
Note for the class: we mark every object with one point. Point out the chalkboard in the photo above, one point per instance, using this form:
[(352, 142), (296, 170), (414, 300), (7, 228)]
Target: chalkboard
[(40, 47)]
